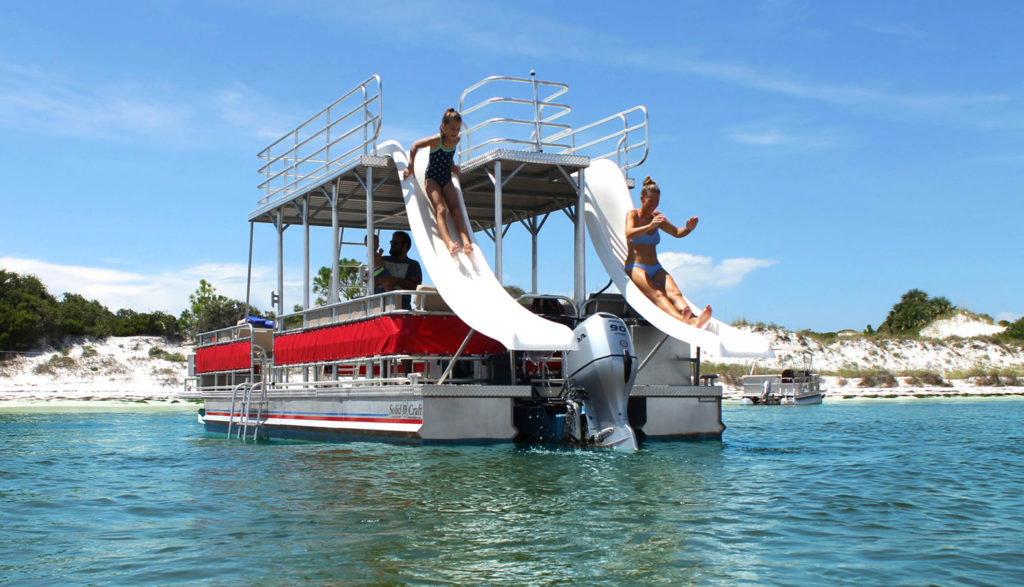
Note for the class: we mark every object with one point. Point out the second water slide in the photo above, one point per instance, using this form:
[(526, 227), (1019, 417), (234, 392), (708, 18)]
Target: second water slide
[(607, 202), (466, 282)]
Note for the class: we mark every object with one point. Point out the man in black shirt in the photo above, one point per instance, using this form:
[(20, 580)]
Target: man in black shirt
[(400, 272)]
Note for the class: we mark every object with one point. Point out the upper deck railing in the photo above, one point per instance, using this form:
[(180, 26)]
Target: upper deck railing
[(525, 117), (347, 128), (623, 136), (521, 119)]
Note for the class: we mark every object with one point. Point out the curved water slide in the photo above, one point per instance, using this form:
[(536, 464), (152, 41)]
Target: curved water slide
[(466, 282), (607, 202)]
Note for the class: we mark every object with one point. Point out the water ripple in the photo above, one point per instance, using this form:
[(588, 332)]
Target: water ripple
[(890, 493)]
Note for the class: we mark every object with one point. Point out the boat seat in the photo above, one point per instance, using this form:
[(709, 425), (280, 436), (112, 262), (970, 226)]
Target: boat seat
[(430, 300)]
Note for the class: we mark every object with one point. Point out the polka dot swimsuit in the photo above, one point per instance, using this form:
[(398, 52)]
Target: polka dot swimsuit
[(439, 166)]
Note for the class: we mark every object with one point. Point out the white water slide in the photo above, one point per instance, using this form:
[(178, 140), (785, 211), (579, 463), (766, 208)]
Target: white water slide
[(466, 282), (607, 202)]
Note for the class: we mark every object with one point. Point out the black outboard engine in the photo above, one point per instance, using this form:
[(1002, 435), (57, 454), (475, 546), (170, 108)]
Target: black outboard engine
[(599, 377)]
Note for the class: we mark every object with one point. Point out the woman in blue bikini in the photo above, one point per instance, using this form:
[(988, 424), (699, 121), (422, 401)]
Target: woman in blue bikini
[(440, 189), (643, 233)]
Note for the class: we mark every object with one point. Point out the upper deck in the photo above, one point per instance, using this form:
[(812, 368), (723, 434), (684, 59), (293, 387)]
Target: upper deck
[(515, 143)]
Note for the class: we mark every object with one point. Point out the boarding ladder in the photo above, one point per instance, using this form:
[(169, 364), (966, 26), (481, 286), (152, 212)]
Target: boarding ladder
[(244, 403)]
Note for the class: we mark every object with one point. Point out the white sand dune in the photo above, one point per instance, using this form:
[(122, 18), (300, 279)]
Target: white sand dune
[(141, 368)]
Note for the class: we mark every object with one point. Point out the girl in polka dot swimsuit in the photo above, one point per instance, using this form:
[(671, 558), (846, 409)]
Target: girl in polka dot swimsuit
[(440, 189)]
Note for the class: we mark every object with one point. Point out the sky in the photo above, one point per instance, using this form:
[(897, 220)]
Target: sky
[(838, 154)]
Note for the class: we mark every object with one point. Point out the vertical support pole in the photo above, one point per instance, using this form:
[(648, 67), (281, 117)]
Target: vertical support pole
[(248, 274), (580, 274), (305, 254), (280, 263), (696, 369), (497, 222), (336, 250), (370, 250), (305, 281), (533, 255)]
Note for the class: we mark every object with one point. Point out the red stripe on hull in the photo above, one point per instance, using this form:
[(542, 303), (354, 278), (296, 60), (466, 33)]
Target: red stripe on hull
[(324, 418)]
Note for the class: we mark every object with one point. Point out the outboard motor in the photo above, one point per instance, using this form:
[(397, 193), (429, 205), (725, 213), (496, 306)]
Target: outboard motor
[(599, 378)]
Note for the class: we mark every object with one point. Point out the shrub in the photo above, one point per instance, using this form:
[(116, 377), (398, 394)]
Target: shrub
[(1014, 331), (914, 311), (878, 379), (723, 369), (823, 338), (78, 316), (131, 323), (27, 312), (56, 362), (88, 351), (159, 353), (211, 311), (934, 379)]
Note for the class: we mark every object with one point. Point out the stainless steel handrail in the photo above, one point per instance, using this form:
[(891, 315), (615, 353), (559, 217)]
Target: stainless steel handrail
[(623, 141), (213, 336), (353, 309), (621, 136), (287, 164), (536, 119)]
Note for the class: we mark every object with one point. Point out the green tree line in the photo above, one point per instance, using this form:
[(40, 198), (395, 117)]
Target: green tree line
[(29, 314)]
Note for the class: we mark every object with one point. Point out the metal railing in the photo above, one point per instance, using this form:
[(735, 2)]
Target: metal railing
[(533, 113), (227, 334), (348, 310), (347, 128), (629, 133), (530, 122)]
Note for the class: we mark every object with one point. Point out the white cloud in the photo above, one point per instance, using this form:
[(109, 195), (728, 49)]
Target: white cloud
[(527, 34), (905, 32), (166, 291), (772, 135), (242, 107), (54, 103), (697, 272)]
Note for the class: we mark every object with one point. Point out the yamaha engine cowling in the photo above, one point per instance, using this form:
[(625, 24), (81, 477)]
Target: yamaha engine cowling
[(599, 378)]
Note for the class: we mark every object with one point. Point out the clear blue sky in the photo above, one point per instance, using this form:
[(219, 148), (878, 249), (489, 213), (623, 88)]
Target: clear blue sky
[(838, 154)]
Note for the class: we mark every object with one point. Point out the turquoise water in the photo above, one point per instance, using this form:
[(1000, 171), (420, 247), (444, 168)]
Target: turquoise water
[(842, 493)]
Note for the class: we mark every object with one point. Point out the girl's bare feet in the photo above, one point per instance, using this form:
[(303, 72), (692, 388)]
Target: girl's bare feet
[(704, 317), (468, 247), (453, 247)]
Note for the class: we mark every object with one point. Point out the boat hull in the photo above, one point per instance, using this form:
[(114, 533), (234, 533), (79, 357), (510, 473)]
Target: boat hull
[(420, 414), (431, 414)]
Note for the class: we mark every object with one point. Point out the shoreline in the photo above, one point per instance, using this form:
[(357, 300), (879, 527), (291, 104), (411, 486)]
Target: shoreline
[(8, 406), (12, 400)]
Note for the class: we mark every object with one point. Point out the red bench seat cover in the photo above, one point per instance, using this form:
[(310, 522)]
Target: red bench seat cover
[(232, 356), (383, 335)]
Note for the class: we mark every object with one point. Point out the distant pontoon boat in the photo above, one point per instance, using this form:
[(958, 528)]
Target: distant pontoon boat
[(792, 387)]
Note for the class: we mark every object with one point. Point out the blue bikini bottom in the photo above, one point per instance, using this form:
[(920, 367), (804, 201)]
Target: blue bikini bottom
[(650, 270)]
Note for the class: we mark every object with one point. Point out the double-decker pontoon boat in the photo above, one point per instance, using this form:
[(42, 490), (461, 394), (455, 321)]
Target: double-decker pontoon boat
[(462, 361)]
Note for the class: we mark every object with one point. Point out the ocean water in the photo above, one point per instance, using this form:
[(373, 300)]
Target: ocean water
[(923, 492)]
